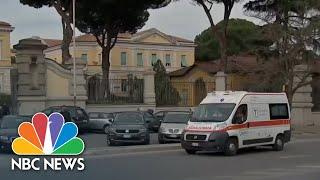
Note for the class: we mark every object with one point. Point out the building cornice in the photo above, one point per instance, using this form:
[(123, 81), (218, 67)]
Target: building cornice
[(126, 44), (6, 29)]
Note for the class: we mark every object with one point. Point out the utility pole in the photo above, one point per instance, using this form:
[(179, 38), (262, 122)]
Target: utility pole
[(74, 53)]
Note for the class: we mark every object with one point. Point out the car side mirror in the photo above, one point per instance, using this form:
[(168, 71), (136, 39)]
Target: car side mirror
[(147, 121), (111, 120)]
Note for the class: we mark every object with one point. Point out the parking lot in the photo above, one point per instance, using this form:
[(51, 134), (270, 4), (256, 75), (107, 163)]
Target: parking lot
[(97, 140)]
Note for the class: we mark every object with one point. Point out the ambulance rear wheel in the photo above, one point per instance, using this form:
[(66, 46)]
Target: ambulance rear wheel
[(279, 143), (190, 151), (231, 148)]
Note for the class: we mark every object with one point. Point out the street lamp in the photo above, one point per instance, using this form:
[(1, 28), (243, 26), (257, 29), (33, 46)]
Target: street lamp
[(74, 52)]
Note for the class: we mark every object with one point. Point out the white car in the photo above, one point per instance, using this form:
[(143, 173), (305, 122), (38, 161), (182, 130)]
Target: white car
[(172, 126), (100, 121)]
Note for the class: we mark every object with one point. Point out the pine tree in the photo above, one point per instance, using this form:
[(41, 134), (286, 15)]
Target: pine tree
[(166, 94)]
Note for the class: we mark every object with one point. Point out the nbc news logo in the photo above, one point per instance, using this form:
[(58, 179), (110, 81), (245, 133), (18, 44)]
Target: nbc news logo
[(46, 137)]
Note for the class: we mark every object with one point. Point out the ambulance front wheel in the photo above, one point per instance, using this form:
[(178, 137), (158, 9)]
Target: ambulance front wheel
[(231, 148), (279, 143)]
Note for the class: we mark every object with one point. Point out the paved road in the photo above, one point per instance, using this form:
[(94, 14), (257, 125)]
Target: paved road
[(97, 140), (300, 160)]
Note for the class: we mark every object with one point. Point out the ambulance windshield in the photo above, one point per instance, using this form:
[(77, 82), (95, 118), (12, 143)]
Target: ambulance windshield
[(215, 112)]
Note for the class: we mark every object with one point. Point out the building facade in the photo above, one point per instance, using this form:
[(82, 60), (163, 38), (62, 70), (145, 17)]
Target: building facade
[(5, 57), (132, 54), (194, 82)]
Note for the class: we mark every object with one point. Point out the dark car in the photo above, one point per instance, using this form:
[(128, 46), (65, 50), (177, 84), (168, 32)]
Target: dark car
[(9, 130), (128, 127), (71, 114)]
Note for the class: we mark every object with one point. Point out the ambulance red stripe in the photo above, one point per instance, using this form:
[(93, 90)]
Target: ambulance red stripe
[(246, 125)]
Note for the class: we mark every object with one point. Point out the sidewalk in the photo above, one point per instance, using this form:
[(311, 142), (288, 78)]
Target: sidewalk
[(306, 130)]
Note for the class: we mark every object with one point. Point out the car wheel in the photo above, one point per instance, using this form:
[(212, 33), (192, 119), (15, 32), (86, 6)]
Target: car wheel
[(81, 131), (106, 129), (231, 148), (147, 140), (161, 141), (110, 142), (278, 144), (190, 151)]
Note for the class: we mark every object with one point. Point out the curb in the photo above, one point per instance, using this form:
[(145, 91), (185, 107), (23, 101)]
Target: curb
[(305, 132), (129, 149)]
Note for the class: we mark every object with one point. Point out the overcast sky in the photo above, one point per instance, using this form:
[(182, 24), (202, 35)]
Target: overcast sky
[(181, 18)]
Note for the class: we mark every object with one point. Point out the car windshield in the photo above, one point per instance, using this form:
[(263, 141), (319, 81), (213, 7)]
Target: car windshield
[(129, 118), (176, 117), (215, 112), (12, 122)]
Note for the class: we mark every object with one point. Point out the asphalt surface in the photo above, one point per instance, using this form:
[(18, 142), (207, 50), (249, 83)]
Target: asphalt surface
[(299, 160), (97, 140)]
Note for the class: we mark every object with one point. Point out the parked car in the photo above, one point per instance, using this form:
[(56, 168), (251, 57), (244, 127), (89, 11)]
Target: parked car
[(100, 121), (128, 127), (71, 114), (9, 130), (173, 125)]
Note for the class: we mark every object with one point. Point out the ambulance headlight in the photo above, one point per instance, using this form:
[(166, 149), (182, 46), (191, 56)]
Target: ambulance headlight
[(219, 127)]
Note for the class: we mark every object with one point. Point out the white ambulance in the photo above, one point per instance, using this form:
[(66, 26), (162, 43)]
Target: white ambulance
[(227, 121)]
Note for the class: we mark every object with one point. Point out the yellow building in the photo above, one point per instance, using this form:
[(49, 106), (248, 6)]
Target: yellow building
[(132, 54), (194, 82), (5, 57)]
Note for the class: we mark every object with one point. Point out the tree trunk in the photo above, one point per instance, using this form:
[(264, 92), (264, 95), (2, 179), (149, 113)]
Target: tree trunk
[(221, 37), (67, 38), (290, 88), (105, 87)]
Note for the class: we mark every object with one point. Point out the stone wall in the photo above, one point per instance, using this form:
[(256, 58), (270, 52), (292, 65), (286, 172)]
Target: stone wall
[(302, 102), (5, 85), (41, 82)]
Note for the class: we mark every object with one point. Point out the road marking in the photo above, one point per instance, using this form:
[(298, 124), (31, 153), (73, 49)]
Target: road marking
[(130, 153), (295, 156), (309, 166)]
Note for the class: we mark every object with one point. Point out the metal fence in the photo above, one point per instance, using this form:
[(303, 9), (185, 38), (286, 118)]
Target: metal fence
[(121, 91), (185, 93)]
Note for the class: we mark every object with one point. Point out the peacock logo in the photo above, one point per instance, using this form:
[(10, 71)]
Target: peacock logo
[(48, 136)]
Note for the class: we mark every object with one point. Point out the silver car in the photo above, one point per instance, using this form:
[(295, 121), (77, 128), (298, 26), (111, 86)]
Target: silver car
[(100, 121), (172, 126)]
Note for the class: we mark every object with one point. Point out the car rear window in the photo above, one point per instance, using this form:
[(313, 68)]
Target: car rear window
[(129, 118), (94, 115)]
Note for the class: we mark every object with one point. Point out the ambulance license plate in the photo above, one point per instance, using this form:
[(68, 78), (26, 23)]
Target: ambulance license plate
[(195, 144)]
